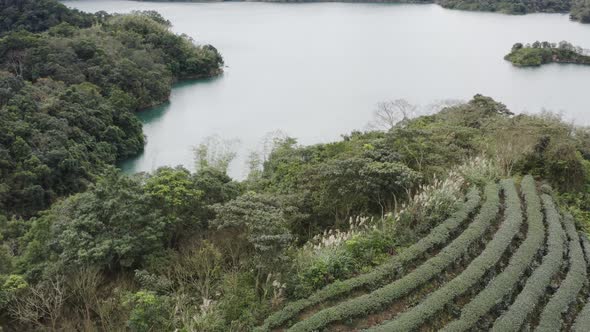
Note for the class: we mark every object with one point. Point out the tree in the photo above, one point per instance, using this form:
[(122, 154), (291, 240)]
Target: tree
[(253, 224), (111, 226), (516, 47), (216, 153), (149, 312), (564, 45), (389, 113), (217, 187), (507, 151), (388, 183), (40, 302), (174, 193), (39, 15), (198, 268), (84, 291)]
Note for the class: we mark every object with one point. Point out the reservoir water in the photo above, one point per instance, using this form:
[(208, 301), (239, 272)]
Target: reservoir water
[(315, 71)]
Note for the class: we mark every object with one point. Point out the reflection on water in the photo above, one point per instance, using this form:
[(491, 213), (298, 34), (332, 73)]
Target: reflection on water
[(152, 120)]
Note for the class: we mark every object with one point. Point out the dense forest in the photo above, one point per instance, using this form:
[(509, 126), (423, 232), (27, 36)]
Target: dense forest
[(68, 94), (538, 53), (85, 247), (38, 16), (581, 11)]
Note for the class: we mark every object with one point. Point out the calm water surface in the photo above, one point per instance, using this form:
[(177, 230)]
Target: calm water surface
[(316, 71)]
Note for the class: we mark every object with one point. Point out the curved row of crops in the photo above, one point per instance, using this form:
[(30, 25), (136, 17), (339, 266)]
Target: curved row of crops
[(536, 285), (522, 265), (505, 282), (436, 301), (551, 318), (381, 297), (440, 235), (582, 323)]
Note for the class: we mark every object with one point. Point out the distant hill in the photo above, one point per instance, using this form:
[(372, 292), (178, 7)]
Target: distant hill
[(580, 9)]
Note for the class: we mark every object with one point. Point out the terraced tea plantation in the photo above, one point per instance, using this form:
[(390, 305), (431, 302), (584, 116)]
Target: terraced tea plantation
[(506, 260)]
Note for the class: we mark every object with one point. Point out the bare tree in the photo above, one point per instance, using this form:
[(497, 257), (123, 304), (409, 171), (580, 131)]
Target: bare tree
[(41, 302), (84, 288), (216, 152), (254, 165), (510, 145), (16, 60), (438, 105), (198, 268), (389, 113), (270, 142)]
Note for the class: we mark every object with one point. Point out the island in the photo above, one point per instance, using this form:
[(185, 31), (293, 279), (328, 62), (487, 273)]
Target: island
[(539, 53)]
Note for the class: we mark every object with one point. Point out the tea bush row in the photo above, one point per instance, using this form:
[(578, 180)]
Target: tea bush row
[(506, 282), (378, 299), (438, 236), (582, 323), (551, 318), (474, 273), (536, 285)]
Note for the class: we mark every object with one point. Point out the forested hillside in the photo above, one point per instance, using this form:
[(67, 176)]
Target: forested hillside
[(68, 94), (581, 11), (40, 15), (471, 216)]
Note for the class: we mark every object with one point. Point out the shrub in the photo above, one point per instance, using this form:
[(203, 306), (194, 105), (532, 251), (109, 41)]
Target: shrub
[(504, 283), (376, 300), (439, 235), (436, 301), (479, 171), (255, 226), (330, 265), (369, 249), (210, 321), (434, 202), (149, 312), (14, 282), (536, 285), (240, 306), (339, 255), (551, 318)]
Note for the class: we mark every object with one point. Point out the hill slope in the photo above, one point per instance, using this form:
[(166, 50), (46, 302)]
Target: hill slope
[(511, 261)]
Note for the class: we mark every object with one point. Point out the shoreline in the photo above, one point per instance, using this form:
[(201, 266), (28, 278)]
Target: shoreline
[(178, 80), (415, 2)]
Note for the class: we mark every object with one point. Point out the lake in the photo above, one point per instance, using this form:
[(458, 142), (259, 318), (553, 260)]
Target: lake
[(315, 71)]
